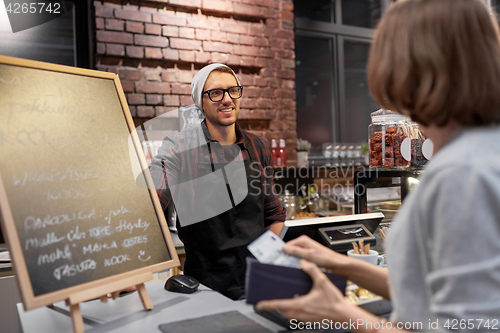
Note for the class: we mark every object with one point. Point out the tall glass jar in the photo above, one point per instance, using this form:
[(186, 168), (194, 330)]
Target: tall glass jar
[(390, 145), (290, 203), (422, 148)]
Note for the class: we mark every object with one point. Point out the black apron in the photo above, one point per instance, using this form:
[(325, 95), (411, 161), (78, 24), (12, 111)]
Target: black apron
[(216, 248)]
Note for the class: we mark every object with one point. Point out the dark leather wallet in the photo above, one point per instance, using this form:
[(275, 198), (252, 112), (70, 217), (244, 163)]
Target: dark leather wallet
[(264, 281)]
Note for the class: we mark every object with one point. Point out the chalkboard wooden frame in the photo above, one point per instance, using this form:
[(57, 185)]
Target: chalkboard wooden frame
[(96, 288)]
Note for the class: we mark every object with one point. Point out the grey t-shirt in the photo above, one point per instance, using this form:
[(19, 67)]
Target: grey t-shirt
[(443, 248)]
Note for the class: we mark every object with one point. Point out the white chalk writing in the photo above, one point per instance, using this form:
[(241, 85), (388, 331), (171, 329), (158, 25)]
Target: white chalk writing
[(70, 174), (98, 232), (71, 193), (53, 256), (116, 260), (116, 212), (97, 247), (75, 175), (129, 242), (49, 239), (34, 176), (34, 223), (75, 234), (142, 255), (124, 225), (72, 270)]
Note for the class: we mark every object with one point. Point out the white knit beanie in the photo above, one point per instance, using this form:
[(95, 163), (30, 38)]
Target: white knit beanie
[(199, 82)]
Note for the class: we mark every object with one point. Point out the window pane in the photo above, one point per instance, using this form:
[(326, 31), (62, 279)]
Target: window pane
[(361, 13), (316, 10), (355, 117), (50, 42), (495, 4), (314, 87)]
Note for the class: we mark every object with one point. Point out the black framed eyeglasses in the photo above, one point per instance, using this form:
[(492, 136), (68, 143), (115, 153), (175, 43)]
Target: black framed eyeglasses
[(217, 95)]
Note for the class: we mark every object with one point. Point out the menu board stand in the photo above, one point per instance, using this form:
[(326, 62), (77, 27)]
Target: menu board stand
[(74, 300), (77, 224)]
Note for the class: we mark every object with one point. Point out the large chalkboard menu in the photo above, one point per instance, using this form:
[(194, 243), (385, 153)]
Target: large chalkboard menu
[(71, 211)]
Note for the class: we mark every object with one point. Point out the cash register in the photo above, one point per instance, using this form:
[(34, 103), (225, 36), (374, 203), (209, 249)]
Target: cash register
[(335, 232)]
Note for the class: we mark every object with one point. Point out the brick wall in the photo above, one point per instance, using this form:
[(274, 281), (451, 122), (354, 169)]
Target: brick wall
[(157, 46)]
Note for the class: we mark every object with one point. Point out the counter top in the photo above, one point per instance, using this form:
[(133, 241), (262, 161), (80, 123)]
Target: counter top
[(126, 315)]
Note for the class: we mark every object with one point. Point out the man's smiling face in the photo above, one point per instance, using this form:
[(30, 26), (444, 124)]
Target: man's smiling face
[(225, 112)]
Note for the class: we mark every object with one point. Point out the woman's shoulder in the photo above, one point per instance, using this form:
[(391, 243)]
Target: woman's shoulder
[(475, 148)]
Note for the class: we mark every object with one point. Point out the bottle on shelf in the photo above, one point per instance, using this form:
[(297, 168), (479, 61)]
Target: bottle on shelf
[(274, 152), (281, 156)]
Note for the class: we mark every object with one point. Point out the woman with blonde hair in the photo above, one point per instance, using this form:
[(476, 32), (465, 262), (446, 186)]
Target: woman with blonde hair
[(437, 61)]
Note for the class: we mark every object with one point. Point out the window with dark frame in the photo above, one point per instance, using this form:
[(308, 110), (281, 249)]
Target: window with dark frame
[(332, 41), (495, 5), (66, 40)]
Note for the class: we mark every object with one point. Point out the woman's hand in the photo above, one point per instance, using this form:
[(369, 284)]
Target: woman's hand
[(306, 248), (361, 273), (324, 300)]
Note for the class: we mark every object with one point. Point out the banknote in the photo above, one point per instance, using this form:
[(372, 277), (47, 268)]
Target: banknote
[(267, 249)]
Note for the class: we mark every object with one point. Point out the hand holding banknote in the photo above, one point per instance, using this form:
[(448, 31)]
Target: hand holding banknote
[(267, 249), (306, 248), (270, 249)]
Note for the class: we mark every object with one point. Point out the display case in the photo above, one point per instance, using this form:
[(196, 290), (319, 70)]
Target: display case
[(383, 191)]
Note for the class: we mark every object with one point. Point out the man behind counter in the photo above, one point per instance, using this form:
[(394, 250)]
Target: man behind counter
[(203, 170)]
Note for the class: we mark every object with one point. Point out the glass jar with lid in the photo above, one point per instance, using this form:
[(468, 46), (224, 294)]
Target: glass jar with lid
[(422, 148), (290, 203), (390, 145)]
